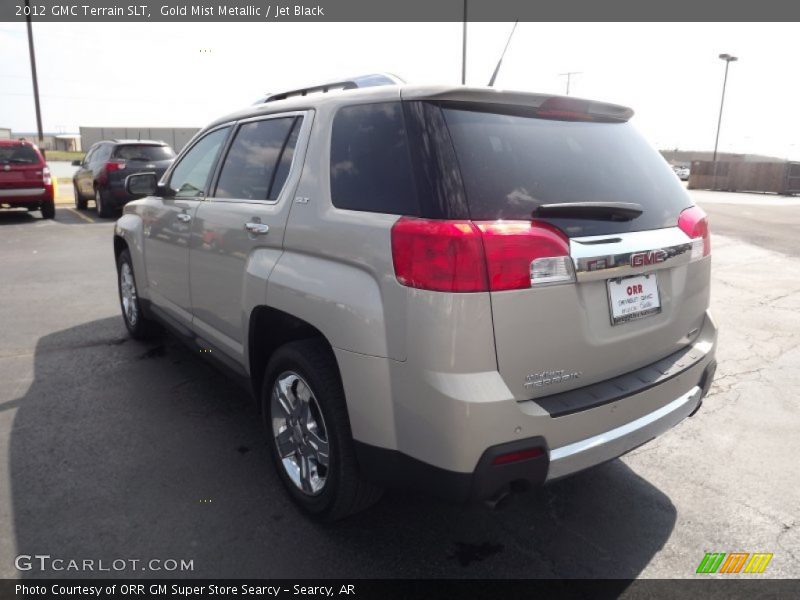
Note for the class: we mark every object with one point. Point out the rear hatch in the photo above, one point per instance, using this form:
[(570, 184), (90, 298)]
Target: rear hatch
[(589, 273), (21, 167), (138, 158)]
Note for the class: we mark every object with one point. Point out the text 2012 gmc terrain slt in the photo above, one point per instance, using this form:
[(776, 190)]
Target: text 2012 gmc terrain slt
[(459, 289)]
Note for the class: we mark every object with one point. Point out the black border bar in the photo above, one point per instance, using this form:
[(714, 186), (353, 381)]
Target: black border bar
[(104, 11), (708, 587)]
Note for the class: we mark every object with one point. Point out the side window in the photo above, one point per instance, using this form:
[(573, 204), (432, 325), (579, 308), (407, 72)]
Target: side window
[(260, 153), (370, 162), (191, 174), (88, 158), (102, 154)]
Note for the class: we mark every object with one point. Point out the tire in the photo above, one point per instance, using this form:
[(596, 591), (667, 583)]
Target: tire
[(332, 491), (80, 201), (139, 326), (48, 209), (104, 211)]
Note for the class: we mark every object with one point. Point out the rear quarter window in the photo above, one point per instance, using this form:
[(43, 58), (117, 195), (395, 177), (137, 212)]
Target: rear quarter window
[(370, 168)]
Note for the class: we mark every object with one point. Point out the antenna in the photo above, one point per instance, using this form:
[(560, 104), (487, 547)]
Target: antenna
[(464, 47), (500, 62)]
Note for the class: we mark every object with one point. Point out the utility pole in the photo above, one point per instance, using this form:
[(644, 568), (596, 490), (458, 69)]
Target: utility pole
[(464, 47), (33, 75), (569, 75)]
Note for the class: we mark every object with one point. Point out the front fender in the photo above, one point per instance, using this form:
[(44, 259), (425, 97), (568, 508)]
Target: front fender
[(130, 228)]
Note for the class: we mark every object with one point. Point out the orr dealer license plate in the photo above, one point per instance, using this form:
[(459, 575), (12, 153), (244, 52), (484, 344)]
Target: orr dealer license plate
[(632, 298)]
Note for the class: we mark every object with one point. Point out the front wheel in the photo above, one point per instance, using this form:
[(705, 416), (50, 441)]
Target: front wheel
[(139, 326), (80, 201), (306, 421)]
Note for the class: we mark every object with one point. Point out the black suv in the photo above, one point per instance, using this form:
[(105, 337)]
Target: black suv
[(103, 171)]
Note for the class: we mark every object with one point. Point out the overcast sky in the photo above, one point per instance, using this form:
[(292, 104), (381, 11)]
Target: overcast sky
[(165, 74)]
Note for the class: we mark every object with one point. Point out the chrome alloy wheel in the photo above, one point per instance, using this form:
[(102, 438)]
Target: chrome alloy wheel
[(127, 292), (301, 437)]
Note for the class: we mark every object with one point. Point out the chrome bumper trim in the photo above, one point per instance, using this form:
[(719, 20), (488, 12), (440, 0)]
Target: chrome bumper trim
[(21, 192), (611, 444)]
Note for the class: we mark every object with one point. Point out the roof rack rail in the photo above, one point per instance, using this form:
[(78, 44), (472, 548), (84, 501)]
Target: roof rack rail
[(362, 81)]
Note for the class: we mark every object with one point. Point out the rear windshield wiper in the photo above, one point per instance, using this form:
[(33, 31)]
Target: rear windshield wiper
[(596, 211)]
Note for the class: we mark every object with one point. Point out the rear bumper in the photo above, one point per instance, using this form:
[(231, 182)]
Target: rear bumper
[(392, 468), (447, 434), (25, 196), (608, 445)]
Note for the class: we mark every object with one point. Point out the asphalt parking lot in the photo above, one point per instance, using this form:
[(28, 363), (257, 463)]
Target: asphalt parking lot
[(112, 448)]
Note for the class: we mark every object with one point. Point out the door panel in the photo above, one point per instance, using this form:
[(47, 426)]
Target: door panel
[(244, 222), (168, 226)]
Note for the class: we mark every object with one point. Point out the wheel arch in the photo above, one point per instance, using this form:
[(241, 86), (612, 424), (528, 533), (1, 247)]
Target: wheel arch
[(270, 328)]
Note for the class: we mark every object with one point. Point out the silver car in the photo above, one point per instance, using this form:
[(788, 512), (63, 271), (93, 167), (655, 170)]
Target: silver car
[(457, 289)]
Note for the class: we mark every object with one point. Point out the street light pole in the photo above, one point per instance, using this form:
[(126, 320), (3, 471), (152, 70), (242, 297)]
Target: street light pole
[(728, 60), (34, 77)]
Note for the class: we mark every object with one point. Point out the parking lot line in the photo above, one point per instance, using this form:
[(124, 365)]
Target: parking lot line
[(81, 215)]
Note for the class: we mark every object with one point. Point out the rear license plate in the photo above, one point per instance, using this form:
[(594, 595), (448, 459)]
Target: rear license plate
[(632, 298)]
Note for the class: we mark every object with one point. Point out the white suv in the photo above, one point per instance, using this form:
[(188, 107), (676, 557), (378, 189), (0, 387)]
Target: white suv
[(456, 289)]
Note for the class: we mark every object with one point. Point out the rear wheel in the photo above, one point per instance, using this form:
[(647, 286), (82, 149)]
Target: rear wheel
[(104, 210), (139, 326), (80, 201), (306, 421), (48, 209)]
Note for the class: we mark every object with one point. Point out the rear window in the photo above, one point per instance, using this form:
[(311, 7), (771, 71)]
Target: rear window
[(22, 154), (511, 164), (370, 162), (146, 152)]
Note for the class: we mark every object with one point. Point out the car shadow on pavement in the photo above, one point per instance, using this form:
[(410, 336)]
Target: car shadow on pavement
[(133, 451)]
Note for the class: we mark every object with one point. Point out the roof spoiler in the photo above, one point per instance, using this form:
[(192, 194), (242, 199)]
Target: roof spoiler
[(546, 106), (362, 81)]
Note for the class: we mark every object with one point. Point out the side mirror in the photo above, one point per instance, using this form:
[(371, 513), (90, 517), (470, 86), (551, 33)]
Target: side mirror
[(77, 163), (141, 184)]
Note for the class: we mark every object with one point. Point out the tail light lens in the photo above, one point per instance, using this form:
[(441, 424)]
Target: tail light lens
[(47, 178), (466, 256), (521, 254), (694, 223), (444, 256), (115, 165)]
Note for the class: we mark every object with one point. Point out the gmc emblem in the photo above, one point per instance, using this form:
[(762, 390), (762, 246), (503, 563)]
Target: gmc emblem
[(651, 257)]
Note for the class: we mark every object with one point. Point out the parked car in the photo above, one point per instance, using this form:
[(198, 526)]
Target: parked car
[(457, 289), (103, 170), (681, 172), (25, 180)]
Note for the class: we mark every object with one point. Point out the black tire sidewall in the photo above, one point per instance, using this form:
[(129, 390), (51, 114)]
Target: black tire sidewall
[(48, 209), (289, 358), (138, 330)]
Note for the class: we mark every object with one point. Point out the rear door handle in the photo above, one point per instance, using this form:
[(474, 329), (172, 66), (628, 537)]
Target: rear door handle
[(257, 228), (185, 217)]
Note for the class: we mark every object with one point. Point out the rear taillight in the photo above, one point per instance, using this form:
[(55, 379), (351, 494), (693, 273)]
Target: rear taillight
[(521, 254), (115, 165), (466, 256), (694, 223), (444, 256), (47, 178)]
